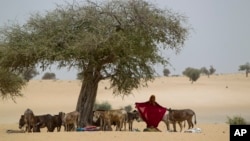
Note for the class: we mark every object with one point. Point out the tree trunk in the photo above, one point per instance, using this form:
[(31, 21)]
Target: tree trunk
[(86, 100)]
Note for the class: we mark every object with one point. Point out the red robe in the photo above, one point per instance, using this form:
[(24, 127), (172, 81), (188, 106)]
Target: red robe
[(151, 114)]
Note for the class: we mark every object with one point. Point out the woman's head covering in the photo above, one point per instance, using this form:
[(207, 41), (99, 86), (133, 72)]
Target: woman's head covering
[(152, 99)]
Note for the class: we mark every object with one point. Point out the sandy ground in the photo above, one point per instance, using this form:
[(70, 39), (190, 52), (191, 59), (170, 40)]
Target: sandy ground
[(213, 99)]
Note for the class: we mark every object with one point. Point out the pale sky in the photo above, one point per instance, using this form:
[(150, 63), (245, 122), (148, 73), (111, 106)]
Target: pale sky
[(220, 35)]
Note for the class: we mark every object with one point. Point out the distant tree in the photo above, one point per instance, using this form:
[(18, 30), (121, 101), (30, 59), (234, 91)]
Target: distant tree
[(30, 73), (211, 70), (166, 72), (49, 75), (207, 72), (102, 106), (245, 67), (192, 73), (128, 108), (204, 71)]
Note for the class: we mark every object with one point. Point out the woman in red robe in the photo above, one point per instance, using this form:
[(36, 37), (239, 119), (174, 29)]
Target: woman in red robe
[(151, 112)]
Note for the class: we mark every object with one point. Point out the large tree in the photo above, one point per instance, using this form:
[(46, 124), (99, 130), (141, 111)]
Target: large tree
[(115, 40)]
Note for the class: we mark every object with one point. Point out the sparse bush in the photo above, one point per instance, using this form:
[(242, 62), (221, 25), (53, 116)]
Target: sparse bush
[(102, 106), (236, 120)]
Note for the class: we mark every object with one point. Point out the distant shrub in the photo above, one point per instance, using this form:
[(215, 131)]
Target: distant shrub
[(236, 120), (102, 106), (166, 72), (128, 108), (49, 75)]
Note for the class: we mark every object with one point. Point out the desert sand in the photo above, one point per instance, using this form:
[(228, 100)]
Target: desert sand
[(213, 99)]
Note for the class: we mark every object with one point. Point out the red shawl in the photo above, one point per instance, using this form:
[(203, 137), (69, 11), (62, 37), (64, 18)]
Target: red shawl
[(151, 114)]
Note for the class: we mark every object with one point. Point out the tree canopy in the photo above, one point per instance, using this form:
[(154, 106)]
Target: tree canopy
[(10, 85), (29, 73), (117, 40)]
